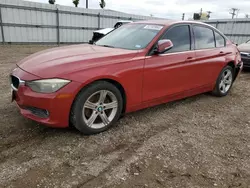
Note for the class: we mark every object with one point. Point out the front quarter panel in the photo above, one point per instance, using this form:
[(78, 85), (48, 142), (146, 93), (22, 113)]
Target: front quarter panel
[(128, 73)]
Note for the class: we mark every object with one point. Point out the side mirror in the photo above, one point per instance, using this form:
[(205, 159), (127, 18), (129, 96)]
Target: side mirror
[(163, 45)]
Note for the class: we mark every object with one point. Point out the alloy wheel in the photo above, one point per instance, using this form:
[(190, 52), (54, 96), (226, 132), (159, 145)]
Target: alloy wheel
[(100, 109), (226, 81)]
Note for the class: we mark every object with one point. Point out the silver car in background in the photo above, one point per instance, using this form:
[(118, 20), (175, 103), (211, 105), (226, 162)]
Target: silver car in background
[(245, 53), (100, 33)]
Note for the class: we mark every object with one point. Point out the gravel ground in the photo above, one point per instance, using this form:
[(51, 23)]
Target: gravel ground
[(202, 141)]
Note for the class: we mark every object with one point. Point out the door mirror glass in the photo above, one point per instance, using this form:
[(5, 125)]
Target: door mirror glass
[(163, 45)]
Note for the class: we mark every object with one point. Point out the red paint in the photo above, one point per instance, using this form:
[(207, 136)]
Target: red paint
[(147, 79)]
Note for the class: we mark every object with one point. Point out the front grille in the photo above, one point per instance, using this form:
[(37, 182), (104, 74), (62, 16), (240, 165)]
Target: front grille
[(243, 54), (38, 112), (246, 61), (15, 81)]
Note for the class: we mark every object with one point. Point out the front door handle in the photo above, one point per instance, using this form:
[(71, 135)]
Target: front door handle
[(190, 59)]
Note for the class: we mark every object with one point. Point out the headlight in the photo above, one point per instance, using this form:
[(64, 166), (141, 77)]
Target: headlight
[(47, 85)]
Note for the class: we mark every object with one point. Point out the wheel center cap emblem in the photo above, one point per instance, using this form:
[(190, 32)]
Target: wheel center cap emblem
[(99, 109)]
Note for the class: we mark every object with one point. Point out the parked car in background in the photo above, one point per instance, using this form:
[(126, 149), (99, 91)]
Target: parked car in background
[(245, 53), (136, 66), (100, 33)]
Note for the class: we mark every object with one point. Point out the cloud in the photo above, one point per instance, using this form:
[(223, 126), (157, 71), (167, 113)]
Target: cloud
[(172, 9)]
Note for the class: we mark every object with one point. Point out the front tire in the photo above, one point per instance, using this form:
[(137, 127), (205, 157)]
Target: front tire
[(224, 82), (96, 108)]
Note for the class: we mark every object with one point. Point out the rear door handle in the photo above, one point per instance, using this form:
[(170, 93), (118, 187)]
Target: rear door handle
[(222, 53)]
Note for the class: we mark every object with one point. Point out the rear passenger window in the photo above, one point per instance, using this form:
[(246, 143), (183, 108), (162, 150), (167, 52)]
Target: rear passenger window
[(220, 41), (204, 38), (180, 37)]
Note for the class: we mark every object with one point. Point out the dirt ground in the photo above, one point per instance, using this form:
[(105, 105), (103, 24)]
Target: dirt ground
[(202, 141)]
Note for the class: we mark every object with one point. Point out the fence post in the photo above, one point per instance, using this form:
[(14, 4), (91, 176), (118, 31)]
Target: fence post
[(1, 24), (99, 20), (217, 23), (58, 28)]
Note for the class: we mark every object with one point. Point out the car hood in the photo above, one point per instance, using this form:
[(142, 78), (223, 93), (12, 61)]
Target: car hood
[(104, 31), (244, 47), (59, 61)]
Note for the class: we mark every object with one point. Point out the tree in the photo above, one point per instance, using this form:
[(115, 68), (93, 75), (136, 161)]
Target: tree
[(102, 4), (52, 2), (76, 2)]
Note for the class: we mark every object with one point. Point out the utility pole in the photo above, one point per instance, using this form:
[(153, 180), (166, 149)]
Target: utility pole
[(87, 3), (233, 12), (183, 16), (237, 13), (201, 12)]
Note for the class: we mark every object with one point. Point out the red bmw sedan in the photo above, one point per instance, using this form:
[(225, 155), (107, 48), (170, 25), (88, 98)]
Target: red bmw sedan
[(136, 66)]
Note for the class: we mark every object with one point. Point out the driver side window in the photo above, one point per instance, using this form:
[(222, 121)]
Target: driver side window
[(180, 37)]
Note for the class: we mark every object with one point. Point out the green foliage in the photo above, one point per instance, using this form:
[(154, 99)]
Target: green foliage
[(102, 4), (76, 2), (52, 2)]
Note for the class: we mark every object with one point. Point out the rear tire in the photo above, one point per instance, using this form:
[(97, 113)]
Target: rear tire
[(96, 108), (224, 82)]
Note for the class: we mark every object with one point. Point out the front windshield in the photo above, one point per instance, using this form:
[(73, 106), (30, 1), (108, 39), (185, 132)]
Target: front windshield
[(130, 36)]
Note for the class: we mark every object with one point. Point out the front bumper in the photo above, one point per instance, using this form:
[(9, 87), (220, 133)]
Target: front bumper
[(238, 69), (240, 65), (246, 61), (51, 109)]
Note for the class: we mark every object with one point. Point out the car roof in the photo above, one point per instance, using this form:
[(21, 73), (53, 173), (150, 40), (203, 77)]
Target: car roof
[(170, 22)]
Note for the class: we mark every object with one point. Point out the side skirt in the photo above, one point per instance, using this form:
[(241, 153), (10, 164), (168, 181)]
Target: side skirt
[(170, 98)]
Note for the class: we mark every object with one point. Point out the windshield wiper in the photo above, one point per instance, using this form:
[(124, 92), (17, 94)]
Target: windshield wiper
[(107, 46)]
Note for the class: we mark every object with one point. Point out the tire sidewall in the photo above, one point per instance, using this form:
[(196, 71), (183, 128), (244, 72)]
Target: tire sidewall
[(219, 80), (81, 99)]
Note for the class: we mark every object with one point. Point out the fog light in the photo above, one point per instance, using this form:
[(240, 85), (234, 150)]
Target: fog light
[(38, 112)]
